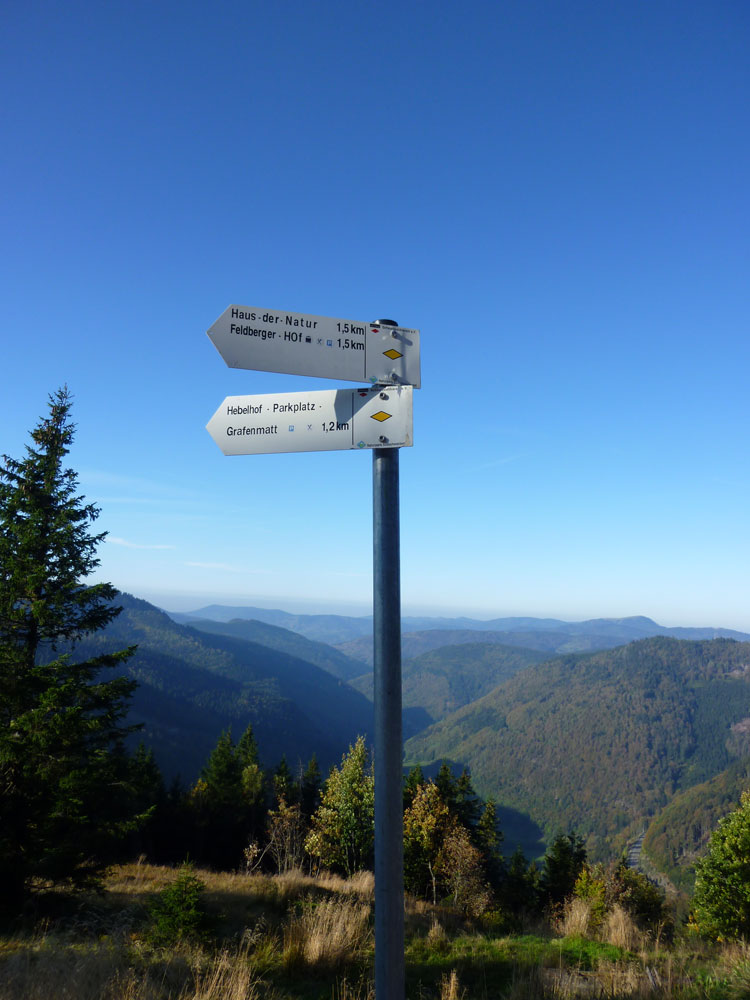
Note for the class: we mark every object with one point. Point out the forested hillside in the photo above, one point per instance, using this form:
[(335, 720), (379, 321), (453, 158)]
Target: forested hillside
[(191, 685), (445, 679), (285, 641), (601, 742), (678, 835)]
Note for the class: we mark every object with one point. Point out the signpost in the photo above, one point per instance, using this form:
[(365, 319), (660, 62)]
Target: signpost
[(270, 340), (377, 417), (328, 420)]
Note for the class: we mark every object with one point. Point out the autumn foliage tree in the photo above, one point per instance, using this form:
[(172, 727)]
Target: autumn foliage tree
[(343, 827)]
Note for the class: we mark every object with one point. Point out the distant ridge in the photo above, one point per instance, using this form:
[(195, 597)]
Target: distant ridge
[(352, 635)]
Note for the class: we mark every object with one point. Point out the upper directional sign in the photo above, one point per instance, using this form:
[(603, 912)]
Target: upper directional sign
[(327, 420), (269, 340)]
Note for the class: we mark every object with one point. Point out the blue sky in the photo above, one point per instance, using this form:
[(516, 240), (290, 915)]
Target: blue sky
[(554, 193)]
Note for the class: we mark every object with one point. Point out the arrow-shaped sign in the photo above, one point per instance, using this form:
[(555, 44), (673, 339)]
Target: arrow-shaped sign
[(270, 340), (328, 420)]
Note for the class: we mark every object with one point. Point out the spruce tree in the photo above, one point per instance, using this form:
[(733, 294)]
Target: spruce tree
[(64, 778), (563, 863), (310, 788)]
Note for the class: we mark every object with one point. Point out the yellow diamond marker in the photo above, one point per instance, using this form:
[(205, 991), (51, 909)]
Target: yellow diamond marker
[(393, 354), (381, 416)]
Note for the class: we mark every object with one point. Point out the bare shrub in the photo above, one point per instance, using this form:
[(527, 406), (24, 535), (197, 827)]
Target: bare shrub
[(329, 933), (286, 834)]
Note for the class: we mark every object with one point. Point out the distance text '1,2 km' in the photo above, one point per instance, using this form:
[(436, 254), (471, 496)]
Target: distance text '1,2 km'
[(325, 420), (272, 340)]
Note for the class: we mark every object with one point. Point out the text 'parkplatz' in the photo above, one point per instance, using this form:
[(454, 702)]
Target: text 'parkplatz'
[(328, 420)]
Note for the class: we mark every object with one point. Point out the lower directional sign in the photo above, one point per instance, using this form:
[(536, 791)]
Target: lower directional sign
[(329, 420)]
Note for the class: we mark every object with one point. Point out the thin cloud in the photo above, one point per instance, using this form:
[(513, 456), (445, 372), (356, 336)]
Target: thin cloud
[(226, 567), (495, 463), (114, 540)]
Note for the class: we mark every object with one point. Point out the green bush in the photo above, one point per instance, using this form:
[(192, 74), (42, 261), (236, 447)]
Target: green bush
[(178, 913), (722, 883)]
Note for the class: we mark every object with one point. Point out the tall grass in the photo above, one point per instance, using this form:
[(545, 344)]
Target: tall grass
[(55, 969), (327, 934)]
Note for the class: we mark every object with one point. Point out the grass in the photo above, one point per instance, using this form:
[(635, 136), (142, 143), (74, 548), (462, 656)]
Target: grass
[(292, 936)]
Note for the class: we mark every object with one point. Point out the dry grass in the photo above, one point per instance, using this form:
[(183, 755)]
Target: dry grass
[(290, 936), (575, 920), (53, 969), (437, 938), (450, 988), (362, 990), (330, 933), (620, 930)]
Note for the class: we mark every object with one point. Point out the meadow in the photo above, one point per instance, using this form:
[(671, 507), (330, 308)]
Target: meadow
[(280, 937)]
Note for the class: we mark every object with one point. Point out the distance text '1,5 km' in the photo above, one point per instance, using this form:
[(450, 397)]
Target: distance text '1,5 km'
[(272, 340)]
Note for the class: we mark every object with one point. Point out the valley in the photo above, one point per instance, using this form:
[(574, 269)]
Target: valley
[(614, 728)]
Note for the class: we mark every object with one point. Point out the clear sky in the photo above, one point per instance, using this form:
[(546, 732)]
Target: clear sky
[(555, 193)]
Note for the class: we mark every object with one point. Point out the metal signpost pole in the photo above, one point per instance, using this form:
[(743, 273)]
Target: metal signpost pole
[(386, 356), (389, 842)]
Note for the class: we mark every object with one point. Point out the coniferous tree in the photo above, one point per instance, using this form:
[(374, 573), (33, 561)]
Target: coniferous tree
[(222, 775), (253, 785), (414, 779), (151, 798), (490, 839), (284, 785), (65, 785), (467, 803), (446, 784), (563, 863), (310, 789), (217, 802), (520, 892)]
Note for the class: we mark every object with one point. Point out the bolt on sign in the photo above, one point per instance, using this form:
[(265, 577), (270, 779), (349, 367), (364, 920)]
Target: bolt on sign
[(271, 340)]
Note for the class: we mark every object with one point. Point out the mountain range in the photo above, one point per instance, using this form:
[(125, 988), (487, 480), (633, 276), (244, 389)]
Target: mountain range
[(193, 684), (353, 635), (609, 727)]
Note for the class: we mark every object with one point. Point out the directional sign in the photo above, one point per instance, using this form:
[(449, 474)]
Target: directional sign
[(329, 420), (269, 340)]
